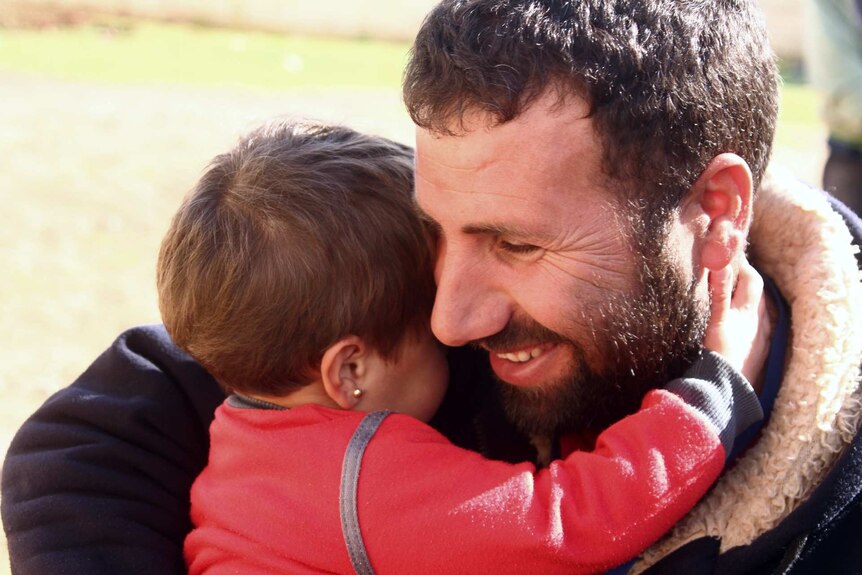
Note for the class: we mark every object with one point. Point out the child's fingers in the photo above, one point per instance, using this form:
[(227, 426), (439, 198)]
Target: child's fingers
[(720, 289), (749, 287)]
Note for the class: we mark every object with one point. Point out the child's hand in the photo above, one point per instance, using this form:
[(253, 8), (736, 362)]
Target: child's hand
[(739, 328)]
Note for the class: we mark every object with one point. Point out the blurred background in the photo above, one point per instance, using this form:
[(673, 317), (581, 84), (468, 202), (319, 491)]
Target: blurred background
[(110, 109)]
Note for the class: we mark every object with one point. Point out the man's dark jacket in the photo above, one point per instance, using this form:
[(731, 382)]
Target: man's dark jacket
[(97, 480)]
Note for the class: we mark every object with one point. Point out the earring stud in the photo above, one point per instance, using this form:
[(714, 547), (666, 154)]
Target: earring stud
[(357, 393)]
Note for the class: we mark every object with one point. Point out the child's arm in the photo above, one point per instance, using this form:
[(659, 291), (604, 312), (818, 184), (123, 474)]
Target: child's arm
[(430, 507)]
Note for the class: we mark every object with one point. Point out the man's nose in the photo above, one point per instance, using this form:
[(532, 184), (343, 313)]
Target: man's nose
[(468, 305)]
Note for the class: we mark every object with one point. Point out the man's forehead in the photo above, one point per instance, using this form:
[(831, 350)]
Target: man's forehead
[(520, 160), (548, 127)]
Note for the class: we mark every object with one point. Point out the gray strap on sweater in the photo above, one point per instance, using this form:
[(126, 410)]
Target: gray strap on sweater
[(720, 393), (349, 483)]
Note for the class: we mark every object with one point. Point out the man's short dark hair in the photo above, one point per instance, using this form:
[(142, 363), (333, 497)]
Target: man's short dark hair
[(670, 83)]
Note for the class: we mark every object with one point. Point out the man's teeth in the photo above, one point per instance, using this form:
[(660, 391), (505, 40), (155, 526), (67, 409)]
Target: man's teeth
[(521, 356)]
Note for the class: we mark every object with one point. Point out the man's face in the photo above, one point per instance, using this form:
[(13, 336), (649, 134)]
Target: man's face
[(537, 265)]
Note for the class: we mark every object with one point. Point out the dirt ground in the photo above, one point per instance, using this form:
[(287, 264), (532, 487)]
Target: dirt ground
[(89, 176)]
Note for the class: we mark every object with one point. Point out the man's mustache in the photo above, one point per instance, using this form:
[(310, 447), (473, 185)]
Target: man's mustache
[(518, 334)]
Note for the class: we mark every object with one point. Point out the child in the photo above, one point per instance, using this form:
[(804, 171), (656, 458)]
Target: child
[(299, 275)]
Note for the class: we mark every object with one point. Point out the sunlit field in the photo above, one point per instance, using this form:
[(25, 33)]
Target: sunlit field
[(106, 125)]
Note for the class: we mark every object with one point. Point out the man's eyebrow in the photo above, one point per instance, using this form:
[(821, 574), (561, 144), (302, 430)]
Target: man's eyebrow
[(506, 230), (493, 229)]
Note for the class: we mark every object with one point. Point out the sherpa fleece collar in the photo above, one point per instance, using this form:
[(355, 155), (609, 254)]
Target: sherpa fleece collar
[(802, 244)]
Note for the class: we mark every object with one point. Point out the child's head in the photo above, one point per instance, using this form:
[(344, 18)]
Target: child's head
[(298, 258)]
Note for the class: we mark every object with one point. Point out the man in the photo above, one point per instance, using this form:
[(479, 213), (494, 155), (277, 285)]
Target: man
[(581, 162)]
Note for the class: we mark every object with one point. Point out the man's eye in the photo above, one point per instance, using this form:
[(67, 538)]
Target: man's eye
[(518, 249)]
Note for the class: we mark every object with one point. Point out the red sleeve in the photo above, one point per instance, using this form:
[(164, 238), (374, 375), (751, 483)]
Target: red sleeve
[(428, 507)]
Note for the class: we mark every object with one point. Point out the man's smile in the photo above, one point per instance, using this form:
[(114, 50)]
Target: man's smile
[(530, 366), (522, 355)]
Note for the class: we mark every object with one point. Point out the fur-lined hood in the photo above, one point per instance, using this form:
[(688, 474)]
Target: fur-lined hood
[(805, 247)]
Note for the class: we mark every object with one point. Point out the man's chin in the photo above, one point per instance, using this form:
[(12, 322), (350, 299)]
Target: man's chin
[(557, 407), (582, 401)]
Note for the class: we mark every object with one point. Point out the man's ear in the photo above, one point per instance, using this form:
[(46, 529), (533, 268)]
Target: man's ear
[(342, 369), (724, 194)]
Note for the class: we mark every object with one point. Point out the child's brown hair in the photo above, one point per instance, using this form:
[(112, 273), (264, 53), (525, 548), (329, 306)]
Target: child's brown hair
[(302, 234)]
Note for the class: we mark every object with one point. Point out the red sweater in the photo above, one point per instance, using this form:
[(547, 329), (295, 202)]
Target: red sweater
[(268, 502)]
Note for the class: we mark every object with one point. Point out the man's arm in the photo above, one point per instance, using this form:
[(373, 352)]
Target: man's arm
[(97, 480)]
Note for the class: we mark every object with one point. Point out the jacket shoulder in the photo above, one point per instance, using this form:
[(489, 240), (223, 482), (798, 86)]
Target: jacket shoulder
[(99, 475)]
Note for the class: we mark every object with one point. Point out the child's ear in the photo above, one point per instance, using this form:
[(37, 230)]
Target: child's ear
[(724, 194), (342, 370)]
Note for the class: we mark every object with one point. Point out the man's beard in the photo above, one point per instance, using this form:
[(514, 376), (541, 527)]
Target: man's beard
[(643, 340)]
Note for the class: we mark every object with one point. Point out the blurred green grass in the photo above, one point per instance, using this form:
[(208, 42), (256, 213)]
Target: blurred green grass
[(121, 51), (126, 51), (141, 52)]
